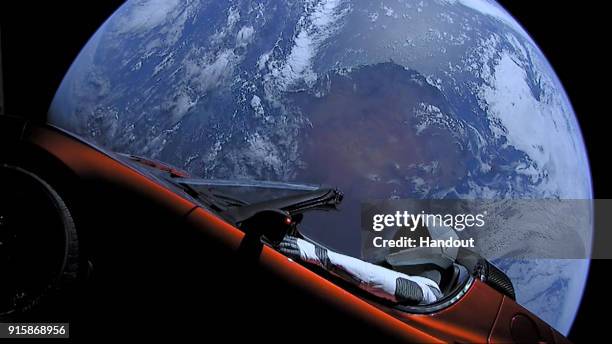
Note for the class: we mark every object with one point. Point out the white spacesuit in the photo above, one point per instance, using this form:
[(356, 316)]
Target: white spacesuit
[(382, 282)]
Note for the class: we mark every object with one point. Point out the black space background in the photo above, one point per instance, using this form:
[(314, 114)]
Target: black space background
[(40, 40)]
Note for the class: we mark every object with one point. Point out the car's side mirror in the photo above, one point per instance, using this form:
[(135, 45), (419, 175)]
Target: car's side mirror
[(270, 224)]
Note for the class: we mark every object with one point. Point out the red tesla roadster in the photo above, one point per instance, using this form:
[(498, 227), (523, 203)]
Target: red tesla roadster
[(119, 244)]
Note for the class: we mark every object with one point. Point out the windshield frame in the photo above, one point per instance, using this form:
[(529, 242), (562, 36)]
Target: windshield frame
[(251, 183)]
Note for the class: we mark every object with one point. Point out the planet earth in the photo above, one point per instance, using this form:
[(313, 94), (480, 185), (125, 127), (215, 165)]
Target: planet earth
[(382, 99)]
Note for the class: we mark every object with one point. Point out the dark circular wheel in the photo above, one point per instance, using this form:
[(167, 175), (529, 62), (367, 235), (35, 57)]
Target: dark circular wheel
[(39, 251)]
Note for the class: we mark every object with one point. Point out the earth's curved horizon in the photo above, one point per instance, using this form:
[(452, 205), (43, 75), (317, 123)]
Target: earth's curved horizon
[(399, 99)]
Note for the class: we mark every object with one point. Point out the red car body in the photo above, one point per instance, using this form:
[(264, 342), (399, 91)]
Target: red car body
[(154, 257)]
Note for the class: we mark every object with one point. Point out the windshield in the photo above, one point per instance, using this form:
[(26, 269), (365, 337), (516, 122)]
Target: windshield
[(249, 191), (223, 196)]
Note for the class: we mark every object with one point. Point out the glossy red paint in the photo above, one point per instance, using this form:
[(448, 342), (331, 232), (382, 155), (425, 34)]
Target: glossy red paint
[(90, 163), (516, 324), (470, 320)]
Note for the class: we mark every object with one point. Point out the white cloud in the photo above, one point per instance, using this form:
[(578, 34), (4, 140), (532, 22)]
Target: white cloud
[(244, 36), (318, 24), (146, 15), (542, 129)]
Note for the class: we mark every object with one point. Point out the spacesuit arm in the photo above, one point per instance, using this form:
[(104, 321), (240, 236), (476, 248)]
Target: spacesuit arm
[(375, 279)]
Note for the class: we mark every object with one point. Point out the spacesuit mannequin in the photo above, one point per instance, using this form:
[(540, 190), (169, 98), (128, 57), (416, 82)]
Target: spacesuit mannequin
[(382, 282)]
